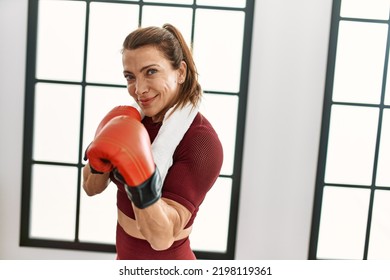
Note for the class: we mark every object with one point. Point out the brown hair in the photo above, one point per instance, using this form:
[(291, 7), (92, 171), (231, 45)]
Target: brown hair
[(171, 43)]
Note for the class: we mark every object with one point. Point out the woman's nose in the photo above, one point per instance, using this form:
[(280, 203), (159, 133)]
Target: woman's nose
[(141, 87)]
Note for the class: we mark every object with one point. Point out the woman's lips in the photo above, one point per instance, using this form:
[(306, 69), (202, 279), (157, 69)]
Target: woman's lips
[(146, 101)]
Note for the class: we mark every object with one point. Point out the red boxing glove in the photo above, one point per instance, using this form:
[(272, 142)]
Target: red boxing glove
[(115, 112), (119, 111), (123, 143)]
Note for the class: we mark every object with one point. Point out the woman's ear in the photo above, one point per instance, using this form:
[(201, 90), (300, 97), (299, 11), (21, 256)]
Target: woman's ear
[(182, 71)]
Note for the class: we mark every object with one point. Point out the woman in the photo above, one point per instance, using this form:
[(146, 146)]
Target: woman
[(162, 79)]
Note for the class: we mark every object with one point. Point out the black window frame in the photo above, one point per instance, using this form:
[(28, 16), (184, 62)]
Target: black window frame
[(31, 80), (326, 116)]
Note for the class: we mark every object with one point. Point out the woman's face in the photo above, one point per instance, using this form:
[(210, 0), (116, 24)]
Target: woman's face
[(151, 80)]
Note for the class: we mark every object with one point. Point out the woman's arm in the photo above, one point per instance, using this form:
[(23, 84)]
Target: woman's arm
[(197, 164), (161, 222), (94, 183)]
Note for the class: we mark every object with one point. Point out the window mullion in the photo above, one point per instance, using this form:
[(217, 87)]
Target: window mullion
[(377, 146), (83, 87)]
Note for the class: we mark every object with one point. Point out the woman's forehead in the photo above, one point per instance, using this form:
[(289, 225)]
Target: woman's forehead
[(143, 56)]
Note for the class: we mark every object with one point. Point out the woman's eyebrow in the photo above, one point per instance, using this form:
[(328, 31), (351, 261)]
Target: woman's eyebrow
[(142, 69), (148, 66)]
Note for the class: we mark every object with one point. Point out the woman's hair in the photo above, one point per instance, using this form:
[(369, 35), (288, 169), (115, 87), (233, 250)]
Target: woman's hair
[(171, 43)]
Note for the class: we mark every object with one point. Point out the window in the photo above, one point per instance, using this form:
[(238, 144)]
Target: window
[(74, 78), (352, 200)]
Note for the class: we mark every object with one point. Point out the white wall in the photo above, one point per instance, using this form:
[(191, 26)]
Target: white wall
[(283, 126), (289, 54)]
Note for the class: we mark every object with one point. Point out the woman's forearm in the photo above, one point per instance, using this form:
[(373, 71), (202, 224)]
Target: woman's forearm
[(94, 183), (162, 222)]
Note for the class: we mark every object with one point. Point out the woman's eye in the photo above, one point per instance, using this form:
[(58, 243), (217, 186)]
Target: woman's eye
[(151, 71), (129, 78)]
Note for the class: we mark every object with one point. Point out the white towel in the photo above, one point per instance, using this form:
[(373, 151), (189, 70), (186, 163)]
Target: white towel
[(173, 128)]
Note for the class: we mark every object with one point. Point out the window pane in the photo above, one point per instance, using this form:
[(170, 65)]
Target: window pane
[(57, 122), (351, 145), (343, 223), (213, 107), (379, 247), (370, 9), (210, 230), (179, 17), (60, 40), (53, 202), (223, 3), (218, 49), (109, 25), (98, 216), (99, 101), (383, 171), (359, 62), (189, 2)]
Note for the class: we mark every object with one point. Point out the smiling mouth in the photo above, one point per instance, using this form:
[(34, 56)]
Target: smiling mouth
[(146, 101)]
